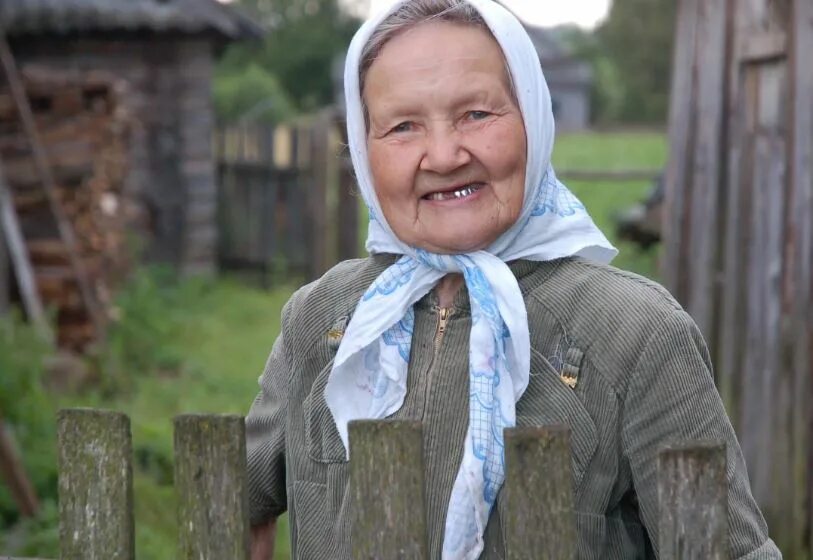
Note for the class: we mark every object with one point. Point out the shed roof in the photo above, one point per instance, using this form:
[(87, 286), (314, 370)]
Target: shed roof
[(19, 17)]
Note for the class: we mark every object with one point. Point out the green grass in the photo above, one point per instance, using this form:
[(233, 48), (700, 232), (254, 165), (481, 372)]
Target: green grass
[(212, 340), (604, 199), (199, 347)]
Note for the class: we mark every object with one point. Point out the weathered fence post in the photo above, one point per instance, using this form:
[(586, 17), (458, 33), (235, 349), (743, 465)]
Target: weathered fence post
[(386, 478), (95, 485), (210, 480), (693, 498), (538, 492)]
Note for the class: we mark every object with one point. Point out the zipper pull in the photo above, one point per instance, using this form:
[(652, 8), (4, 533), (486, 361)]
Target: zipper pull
[(444, 317)]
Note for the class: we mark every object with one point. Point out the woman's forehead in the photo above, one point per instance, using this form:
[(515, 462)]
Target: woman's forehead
[(434, 57)]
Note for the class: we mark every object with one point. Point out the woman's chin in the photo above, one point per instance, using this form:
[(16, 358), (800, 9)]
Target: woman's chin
[(458, 242)]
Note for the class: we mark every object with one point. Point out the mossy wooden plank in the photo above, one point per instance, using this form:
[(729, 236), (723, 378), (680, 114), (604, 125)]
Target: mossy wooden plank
[(538, 493), (95, 485), (387, 489), (693, 498), (210, 479)]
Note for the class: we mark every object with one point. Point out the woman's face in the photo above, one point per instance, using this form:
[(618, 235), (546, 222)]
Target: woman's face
[(446, 139)]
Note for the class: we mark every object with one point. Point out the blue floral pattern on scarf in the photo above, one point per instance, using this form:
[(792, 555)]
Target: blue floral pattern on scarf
[(400, 334), (397, 275), (555, 198)]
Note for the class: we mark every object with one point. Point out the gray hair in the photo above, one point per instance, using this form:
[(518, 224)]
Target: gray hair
[(410, 15)]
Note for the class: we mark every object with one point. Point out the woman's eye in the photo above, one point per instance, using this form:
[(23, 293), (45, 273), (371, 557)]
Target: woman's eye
[(402, 127), (478, 115)]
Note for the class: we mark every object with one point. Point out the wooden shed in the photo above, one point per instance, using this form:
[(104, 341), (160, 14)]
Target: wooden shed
[(739, 232), (162, 52)]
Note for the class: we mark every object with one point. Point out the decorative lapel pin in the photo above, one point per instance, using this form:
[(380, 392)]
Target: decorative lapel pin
[(569, 380), (571, 367), (336, 332)]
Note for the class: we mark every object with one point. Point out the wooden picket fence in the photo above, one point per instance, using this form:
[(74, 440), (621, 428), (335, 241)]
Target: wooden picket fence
[(386, 475)]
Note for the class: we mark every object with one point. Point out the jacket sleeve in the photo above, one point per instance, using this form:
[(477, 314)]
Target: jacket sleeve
[(672, 398), (265, 437)]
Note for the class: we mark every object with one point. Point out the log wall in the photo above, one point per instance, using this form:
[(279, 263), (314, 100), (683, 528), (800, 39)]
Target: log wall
[(172, 178)]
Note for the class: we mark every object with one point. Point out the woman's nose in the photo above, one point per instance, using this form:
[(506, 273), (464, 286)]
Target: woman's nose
[(445, 151)]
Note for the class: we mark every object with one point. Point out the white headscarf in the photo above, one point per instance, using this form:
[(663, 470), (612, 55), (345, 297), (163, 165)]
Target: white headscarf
[(368, 380)]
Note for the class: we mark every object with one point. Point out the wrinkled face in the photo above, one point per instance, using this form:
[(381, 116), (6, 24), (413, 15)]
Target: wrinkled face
[(446, 139)]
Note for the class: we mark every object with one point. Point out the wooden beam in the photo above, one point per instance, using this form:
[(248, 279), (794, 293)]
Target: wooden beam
[(700, 257), (5, 279), (21, 262), (609, 175), (800, 253), (66, 233), (737, 208), (764, 46), (13, 472), (681, 119)]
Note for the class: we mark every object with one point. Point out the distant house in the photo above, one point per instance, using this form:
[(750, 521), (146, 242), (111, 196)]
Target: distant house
[(162, 52), (569, 80)]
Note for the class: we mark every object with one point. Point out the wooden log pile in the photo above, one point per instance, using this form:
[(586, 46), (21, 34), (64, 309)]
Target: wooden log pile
[(84, 131)]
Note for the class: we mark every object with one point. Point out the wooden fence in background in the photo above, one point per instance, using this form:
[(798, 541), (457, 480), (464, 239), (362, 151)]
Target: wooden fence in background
[(739, 232), (386, 475), (286, 200)]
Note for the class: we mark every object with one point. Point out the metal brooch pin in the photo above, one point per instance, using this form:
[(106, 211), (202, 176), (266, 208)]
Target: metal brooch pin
[(334, 336)]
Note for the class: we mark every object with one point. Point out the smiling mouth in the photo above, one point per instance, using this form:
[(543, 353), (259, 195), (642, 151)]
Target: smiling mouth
[(461, 192)]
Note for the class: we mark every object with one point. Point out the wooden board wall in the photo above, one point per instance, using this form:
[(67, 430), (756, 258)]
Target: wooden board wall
[(287, 201), (739, 231)]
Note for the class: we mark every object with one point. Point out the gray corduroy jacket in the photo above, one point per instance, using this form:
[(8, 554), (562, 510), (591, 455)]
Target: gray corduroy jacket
[(642, 380)]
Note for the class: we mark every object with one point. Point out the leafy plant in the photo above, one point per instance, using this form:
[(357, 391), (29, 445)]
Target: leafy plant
[(25, 407)]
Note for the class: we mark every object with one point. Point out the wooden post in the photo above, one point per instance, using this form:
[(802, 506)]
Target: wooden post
[(5, 284), (538, 492), (317, 220), (800, 509), (348, 211), (210, 479), (693, 498), (348, 207), (95, 485), (386, 485)]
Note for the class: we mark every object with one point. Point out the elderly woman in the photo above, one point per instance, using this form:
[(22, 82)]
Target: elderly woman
[(486, 303)]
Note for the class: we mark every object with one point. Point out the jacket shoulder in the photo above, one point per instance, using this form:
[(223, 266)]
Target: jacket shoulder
[(316, 307), (608, 313)]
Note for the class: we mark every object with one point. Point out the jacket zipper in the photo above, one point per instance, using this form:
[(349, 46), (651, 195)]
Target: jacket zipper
[(443, 318), (444, 314)]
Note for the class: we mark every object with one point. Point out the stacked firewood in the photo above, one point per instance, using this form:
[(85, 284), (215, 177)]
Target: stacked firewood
[(84, 132)]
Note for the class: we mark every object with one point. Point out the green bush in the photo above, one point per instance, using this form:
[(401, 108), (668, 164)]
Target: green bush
[(26, 408), (253, 94)]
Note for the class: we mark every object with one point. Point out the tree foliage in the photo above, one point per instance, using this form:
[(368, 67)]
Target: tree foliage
[(638, 36), (251, 93), (631, 56), (304, 39)]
